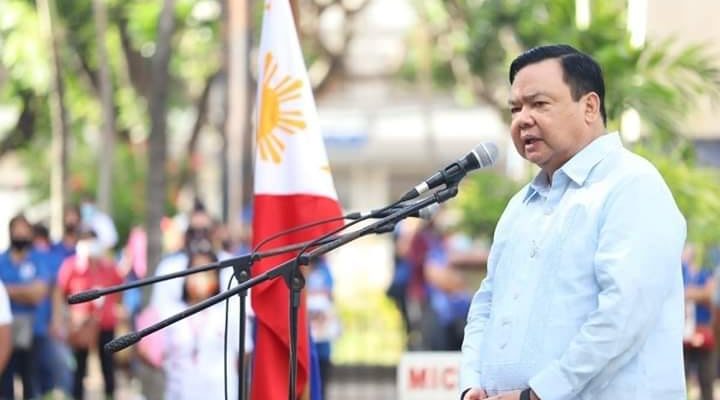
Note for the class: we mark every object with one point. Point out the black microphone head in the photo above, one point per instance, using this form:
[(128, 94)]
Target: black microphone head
[(482, 156), (82, 297), (122, 342)]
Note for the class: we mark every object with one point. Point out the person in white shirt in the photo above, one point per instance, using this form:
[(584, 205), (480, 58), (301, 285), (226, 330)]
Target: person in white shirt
[(190, 349), (5, 329)]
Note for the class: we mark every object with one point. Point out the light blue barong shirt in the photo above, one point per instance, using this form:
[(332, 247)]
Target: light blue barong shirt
[(584, 295)]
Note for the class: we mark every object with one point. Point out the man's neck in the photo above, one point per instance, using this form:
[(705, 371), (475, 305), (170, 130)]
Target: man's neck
[(18, 256), (69, 241)]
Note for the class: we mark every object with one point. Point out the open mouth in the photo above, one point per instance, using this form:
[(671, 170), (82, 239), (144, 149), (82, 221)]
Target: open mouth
[(530, 141)]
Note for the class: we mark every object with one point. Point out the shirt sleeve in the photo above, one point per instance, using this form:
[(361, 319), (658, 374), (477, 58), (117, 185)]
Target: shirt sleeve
[(5, 314), (105, 229), (637, 265)]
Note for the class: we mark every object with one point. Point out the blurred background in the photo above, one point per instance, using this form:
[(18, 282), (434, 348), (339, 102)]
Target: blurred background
[(141, 110)]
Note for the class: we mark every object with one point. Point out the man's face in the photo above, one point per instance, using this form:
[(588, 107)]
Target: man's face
[(71, 217), (548, 127), (21, 235)]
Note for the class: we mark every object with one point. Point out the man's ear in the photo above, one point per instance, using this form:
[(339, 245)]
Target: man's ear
[(591, 103)]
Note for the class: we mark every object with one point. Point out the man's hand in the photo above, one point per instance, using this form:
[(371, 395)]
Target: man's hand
[(514, 395), (475, 394)]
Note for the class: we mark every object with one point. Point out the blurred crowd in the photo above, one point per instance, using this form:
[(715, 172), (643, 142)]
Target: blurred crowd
[(45, 343), (430, 284)]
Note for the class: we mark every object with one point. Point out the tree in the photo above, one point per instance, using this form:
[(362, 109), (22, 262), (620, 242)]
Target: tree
[(157, 154)]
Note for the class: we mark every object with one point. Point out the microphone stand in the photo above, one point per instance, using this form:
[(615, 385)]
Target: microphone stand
[(295, 280), (236, 262), (241, 271), (289, 271)]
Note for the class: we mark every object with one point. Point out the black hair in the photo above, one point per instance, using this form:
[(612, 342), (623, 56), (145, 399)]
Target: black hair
[(213, 258), (580, 71), (41, 231)]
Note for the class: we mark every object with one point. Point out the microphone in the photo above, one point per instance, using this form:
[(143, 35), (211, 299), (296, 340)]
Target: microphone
[(82, 297), (424, 213), (482, 156)]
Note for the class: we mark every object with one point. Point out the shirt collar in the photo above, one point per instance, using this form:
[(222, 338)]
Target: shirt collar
[(579, 166)]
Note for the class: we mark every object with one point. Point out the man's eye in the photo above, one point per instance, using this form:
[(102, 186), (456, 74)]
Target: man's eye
[(514, 110), (540, 103)]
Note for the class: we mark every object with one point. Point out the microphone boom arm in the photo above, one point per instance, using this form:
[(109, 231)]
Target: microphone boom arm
[(286, 269)]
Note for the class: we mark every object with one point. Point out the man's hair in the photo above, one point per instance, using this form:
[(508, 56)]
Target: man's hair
[(580, 71), (18, 219), (40, 231)]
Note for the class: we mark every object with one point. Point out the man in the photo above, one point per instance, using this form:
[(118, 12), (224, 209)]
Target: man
[(26, 279), (699, 338), (584, 295), (50, 370), (71, 229)]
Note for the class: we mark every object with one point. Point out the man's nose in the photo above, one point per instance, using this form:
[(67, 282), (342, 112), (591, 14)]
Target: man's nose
[(523, 118)]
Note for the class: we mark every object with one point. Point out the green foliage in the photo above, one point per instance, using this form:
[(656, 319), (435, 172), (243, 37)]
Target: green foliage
[(372, 330), (697, 193), (25, 70), (482, 200)]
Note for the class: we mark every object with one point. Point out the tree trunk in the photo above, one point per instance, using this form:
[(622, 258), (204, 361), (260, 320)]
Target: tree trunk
[(157, 154), (152, 380), (58, 119), (237, 127), (107, 146)]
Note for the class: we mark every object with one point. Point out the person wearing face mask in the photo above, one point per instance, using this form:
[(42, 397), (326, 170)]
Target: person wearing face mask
[(26, 278), (190, 351), (198, 239), (90, 324)]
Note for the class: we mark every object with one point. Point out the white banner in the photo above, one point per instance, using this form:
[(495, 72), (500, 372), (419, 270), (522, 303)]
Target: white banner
[(429, 376)]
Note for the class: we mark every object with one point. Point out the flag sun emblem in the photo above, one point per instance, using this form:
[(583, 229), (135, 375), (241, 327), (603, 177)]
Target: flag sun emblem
[(274, 117)]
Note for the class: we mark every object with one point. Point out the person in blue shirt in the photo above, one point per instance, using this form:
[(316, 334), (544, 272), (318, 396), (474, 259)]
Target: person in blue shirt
[(49, 355), (71, 231), (26, 278), (699, 348), (448, 299), (583, 297), (324, 325), (397, 291)]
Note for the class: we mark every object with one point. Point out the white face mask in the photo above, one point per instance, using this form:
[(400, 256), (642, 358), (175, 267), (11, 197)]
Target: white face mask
[(89, 248)]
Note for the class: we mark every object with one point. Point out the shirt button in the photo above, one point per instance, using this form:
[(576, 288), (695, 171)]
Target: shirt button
[(503, 345), (516, 296), (533, 252)]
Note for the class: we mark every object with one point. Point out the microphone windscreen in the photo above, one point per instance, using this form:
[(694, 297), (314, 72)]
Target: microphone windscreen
[(84, 296), (122, 342), (487, 153)]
